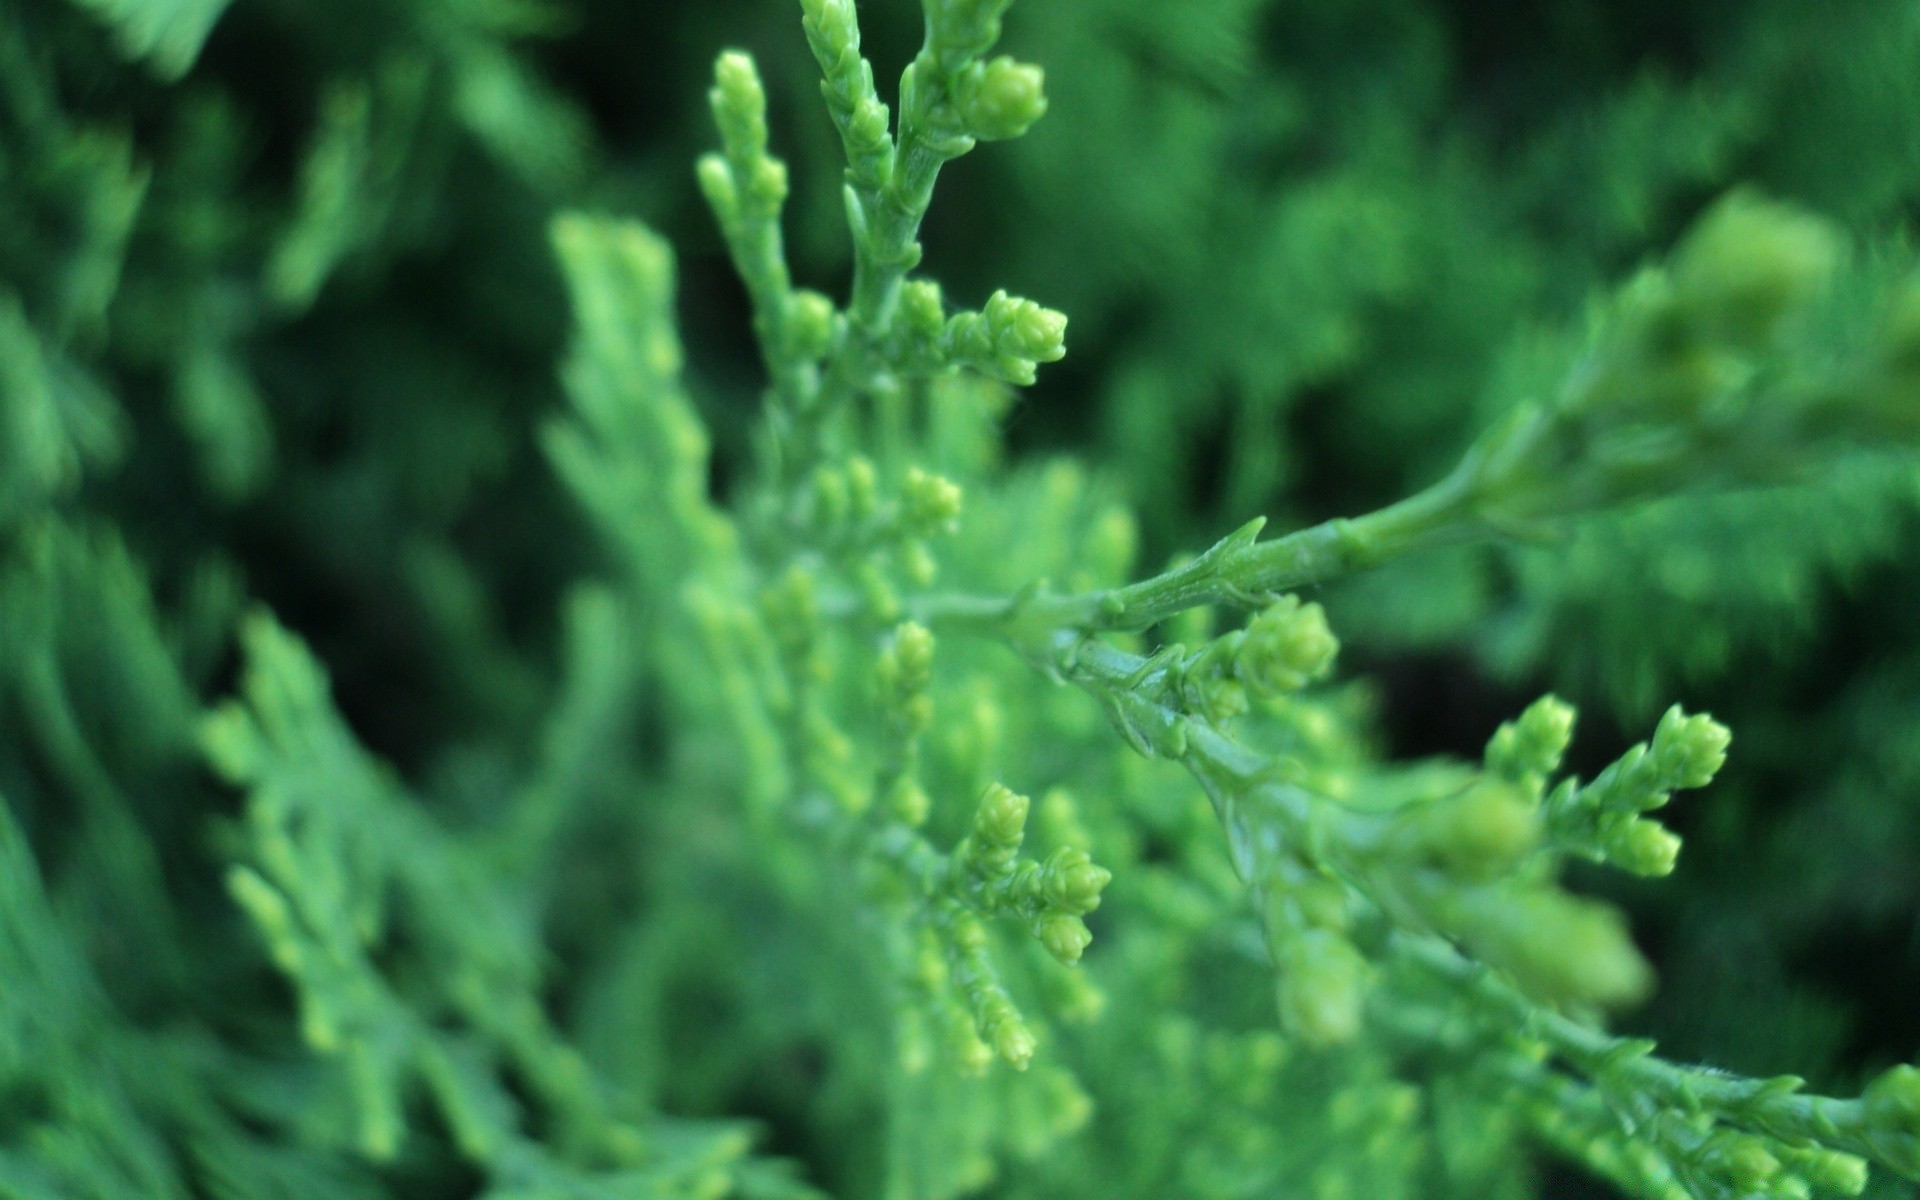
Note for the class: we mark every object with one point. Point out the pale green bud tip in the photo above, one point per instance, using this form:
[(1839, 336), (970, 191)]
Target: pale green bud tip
[(1892, 1104), (913, 648), (1488, 829), (767, 185), (1286, 647), (1583, 952), (1073, 882), (1528, 749), (973, 1055), (1545, 730), (909, 802), (930, 502), (1831, 1172), (1322, 987), (810, 324), (1065, 937), (1646, 848), (716, 184), (1690, 749), (1001, 99), (1021, 328), (1741, 1160), (737, 83), (1013, 1042), (922, 308), (832, 23), (1001, 818), (1750, 261), (867, 127)]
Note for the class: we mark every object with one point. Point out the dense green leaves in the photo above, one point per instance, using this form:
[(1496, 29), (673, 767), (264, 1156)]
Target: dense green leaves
[(709, 770)]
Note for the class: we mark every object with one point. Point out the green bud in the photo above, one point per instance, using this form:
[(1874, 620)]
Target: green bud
[(1831, 1172), (877, 592), (1738, 1158), (1013, 1042), (908, 802), (863, 487), (1322, 986), (1287, 646), (767, 184), (1000, 99), (1644, 847), (1558, 947), (1748, 263), (913, 650), (966, 934), (1000, 821), (1065, 937), (929, 503), (831, 26), (1111, 544), (867, 128), (1529, 749), (1071, 882), (810, 324), (1320, 900), (829, 498), (966, 26), (971, 1055), (1023, 330), (922, 308), (1891, 1106), (716, 184), (917, 563), (739, 106), (1481, 833), (1689, 751)]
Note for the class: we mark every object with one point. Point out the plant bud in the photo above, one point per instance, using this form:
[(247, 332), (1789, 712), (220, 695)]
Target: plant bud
[(1065, 937), (1689, 751), (863, 487), (1645, 848), (1558, 947), (913, 648), (1072, 882), (909, 803), (1748, 263), (1013, 1042), (1000, 821), (1000, 99), (739, 105), (1892, 1109), (1529, 749), (867, 127), (1831, 1172), (1285, 647), (832, 26), (1322, 982), (716, 184), (1739, 1159), (767, 184), (929, 503), (1481, 833), (1021, 329), (922, 308), (810, 324)]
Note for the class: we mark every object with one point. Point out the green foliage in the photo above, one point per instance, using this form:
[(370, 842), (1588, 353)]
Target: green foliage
[(775, 774)]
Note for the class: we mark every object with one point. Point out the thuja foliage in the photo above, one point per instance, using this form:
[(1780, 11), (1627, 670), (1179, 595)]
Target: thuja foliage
[(742, 771)]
